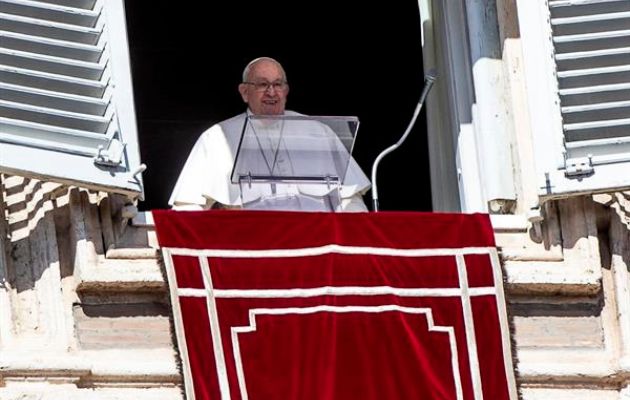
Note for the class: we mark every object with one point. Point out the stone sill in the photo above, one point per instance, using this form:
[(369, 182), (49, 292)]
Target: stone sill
[(31, 391), (128, 367), (551, 278), (509, 223), (557, 366), (121, 275), (148, 253)]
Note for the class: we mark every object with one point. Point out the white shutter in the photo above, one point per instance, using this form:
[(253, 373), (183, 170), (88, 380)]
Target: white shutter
[(577, 64), (66, 104)]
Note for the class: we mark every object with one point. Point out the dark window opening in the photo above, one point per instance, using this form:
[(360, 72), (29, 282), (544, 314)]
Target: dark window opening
[(360, 59)]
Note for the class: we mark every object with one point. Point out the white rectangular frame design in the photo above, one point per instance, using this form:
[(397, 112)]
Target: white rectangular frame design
[(464, 292)]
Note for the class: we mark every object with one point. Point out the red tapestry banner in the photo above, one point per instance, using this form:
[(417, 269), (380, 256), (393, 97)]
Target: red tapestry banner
[(306, 306)]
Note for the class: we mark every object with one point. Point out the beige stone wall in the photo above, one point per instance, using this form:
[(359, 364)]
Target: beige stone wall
[(568, 280), (85, 314), (568, 299), (83, 307)]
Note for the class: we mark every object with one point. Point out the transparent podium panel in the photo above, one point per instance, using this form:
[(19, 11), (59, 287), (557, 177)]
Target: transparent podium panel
[(286, 196), (292, 162)]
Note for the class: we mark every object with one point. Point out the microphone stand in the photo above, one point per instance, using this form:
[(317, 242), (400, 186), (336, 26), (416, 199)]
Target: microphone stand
[(429, 79)]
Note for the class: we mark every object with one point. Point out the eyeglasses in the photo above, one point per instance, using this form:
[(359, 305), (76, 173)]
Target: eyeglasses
[(264, 86)]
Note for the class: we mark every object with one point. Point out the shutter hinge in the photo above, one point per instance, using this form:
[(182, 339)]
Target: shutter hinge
[(112, 156), (579, 167)]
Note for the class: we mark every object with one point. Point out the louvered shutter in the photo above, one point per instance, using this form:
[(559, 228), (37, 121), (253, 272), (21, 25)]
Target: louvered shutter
[(66, 103), (577, 65)]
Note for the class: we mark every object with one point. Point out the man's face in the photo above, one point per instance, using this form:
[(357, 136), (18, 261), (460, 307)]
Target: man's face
[(265, 91)]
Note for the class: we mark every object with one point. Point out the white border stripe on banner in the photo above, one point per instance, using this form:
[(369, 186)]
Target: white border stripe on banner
[(215, 330), (327, 249), (505, 328), (343, 309), (335, 291), (463, 291), (189, 386), (469, 323)]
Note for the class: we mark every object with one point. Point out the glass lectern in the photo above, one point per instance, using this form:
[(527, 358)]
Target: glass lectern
[(294, 162)]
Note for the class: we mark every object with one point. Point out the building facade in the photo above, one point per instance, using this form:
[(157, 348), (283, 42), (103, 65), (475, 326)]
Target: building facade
[(528, 121)]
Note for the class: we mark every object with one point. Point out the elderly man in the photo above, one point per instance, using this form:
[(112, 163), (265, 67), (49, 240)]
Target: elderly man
[(205, 179)]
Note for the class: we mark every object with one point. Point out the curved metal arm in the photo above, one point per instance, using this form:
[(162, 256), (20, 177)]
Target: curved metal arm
[(429, 78)]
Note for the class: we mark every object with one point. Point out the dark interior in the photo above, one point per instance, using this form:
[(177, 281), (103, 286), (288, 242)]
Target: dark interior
[(350, 58)]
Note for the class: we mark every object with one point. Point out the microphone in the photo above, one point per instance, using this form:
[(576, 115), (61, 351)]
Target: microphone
[(429, 79)]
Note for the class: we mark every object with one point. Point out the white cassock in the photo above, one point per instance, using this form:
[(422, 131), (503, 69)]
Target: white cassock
[(205, 178)]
